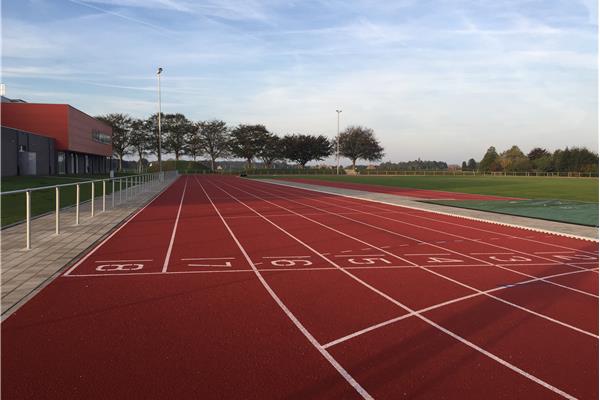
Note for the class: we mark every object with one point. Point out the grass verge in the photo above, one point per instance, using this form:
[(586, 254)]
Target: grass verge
[(577, 189)]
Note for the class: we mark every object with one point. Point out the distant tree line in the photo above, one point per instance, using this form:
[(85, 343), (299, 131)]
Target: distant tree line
[(416, 165), (214, 139), (574, 159)]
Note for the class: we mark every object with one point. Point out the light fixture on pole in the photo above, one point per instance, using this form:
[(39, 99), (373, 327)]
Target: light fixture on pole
[(159, 127), (338, 142)]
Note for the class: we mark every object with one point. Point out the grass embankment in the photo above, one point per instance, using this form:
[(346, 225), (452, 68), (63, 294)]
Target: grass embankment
[(580, 189), (12, 208)]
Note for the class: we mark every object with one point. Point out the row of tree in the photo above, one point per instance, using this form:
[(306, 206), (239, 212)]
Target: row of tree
[(214, 140), (575, 159), (416, 165)]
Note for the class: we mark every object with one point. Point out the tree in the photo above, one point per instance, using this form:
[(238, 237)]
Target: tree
[(272, 150), (121, 130), (490, 161), (464, 166), (358, 142), (513, 159), (152, 123), (472, 164), (247, 141), (141, 139), (305, 148), (576, 159), (537, 152), (177, 128), (213, 139)]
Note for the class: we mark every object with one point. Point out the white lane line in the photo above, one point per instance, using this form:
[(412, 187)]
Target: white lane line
[(209, 265), (168, 255), (498, 265), (208, 258), (544, 316), (78, 263), (408, 309), (359, 255), (426, 254), (112, 261), (366, 330), (440, 305), (279, 257), (491, 253), (421, 213), (554, 252), (292, 317)]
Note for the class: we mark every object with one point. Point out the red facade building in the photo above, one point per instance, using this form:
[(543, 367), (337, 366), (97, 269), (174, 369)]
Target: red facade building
[(82, 144)]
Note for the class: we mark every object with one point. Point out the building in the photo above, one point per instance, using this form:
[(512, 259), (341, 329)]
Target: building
[(47, 139)]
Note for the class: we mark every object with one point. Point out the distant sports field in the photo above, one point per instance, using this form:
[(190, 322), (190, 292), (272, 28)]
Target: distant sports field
[(581, 189)]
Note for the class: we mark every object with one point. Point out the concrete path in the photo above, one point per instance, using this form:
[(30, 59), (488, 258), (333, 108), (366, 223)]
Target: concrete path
[(556, 227), (24, 272)]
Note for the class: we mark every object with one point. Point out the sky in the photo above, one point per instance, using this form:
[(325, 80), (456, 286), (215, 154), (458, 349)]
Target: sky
[(435, 79)]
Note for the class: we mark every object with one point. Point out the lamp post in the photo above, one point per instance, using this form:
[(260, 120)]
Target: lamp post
[(338, 142), (159, 127)]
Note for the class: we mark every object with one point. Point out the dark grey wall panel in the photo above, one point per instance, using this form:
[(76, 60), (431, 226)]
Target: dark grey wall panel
[(9, 152)]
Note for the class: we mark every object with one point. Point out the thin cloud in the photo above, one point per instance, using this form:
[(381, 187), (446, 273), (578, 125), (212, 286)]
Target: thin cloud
[(123, 16)]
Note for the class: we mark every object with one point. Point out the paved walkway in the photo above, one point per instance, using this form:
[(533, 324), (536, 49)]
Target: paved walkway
[(25, 272), (557, 227)]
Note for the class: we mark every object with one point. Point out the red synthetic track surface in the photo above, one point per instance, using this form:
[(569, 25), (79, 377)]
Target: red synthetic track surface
[(400, 191), (229, 288)]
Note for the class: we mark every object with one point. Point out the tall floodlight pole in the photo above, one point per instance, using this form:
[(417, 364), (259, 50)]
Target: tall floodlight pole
[(338, 142), (159, 127)]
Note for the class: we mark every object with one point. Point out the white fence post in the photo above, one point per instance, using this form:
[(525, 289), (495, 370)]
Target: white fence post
[(92, 197), (77, 204), (57, 229), (28, 219)]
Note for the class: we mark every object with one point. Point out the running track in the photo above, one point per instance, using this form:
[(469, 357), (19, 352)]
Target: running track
[(424, 194), (229, 288)]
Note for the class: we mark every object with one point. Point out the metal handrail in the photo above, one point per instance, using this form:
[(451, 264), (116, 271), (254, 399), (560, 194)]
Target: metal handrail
[(33, 189), (139, 181)]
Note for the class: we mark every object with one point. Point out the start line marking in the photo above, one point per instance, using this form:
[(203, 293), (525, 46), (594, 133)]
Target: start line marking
[(226, 264)]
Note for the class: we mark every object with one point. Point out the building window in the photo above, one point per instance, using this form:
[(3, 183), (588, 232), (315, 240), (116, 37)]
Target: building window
[(61, 163), (101, 137)]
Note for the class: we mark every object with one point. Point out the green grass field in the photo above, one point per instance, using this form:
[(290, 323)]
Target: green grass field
[(12, 207), (580, 189)]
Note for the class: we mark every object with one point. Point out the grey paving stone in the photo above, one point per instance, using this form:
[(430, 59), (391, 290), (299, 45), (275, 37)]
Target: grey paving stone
[(23, 271)]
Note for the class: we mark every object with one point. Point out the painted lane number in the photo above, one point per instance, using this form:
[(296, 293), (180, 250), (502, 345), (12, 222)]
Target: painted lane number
[(367, 260), (291, 263), (119, 267), (443, 260), (510, 259)]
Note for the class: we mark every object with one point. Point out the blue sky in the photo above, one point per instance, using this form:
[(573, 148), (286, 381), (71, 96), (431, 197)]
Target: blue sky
[(437, 80)]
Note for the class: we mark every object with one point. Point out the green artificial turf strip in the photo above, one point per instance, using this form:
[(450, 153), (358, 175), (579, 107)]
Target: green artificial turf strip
[(573, 212), (579, 189)]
